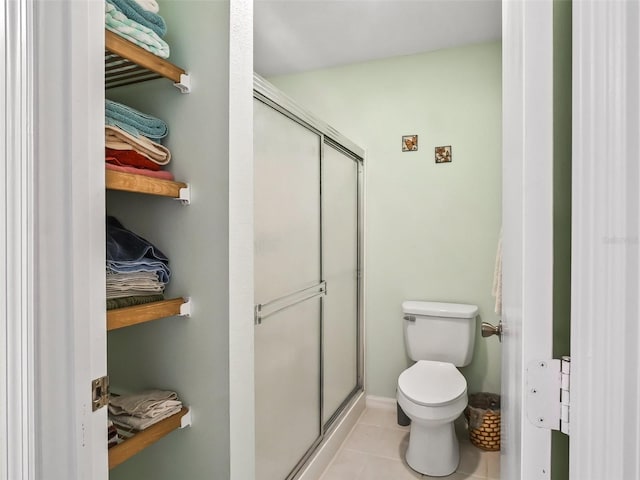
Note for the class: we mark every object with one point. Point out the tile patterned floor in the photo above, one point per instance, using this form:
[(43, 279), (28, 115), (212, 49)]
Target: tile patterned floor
[(374, 450)]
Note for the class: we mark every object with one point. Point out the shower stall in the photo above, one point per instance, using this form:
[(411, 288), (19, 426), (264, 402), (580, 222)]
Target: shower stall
[(308, 291)]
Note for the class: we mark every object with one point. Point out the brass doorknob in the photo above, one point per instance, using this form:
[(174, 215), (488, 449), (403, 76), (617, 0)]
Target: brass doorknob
[(487, 330)]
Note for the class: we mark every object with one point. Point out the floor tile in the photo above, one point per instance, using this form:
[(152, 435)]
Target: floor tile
[(472, 460), (380, 441), (380, 418), (379, 468), (375, 450), (493, 465), (454, 476), (347, 465)]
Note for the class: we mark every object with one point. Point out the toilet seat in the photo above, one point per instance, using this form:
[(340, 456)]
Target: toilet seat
[(432, 383)]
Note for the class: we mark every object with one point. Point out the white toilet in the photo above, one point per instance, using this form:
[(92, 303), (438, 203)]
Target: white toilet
[(432, 392)]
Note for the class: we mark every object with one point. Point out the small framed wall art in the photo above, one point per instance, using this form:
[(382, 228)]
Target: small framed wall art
[(410, 143), (443, 154)]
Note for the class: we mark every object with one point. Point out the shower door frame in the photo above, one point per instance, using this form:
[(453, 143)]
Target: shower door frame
[(268, 94)]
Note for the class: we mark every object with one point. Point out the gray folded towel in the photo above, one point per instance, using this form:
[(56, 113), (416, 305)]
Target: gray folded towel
[(138, 423), (148, 404)]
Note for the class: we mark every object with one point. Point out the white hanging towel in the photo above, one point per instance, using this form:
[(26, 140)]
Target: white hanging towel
[(496, 290)]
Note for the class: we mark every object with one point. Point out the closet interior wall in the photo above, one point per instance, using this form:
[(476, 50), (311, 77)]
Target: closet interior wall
[(188, 355)]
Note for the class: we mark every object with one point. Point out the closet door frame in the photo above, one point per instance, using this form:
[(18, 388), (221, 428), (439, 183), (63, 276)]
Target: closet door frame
[(17, 365), (62, 333)]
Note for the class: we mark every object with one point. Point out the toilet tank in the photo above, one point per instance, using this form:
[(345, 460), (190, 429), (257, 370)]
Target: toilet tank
[(444, 332)]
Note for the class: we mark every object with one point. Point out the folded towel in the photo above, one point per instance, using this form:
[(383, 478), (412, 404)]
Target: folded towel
[(128, 293), (118, 139), (116, 295), (138, 14), (138, 423), (129, 158), (142, 36), (129, 252), (149, 5), (161, 174), (161, 269), (147, 404), (130, 301), (133, 121), (136, 285), (140, 281)]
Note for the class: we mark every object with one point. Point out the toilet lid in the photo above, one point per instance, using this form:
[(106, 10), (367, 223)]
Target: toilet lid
[(432, 383)]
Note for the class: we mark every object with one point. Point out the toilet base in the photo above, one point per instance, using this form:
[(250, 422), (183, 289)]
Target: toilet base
[(433, 449)]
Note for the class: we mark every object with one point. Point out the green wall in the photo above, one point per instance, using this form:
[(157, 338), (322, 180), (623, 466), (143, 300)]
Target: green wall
[(561, 208), (431, 229)]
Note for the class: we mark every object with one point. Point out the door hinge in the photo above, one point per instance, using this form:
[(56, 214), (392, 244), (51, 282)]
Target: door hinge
[(548, 394), (99, 393)]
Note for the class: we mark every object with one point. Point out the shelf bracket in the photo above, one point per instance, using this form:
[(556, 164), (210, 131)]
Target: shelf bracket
[(185, 421), (185, 308), (185, 195), (184, 85)]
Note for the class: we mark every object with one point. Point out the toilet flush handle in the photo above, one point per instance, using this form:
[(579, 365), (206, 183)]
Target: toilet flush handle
[(410, 318), (488, 330)]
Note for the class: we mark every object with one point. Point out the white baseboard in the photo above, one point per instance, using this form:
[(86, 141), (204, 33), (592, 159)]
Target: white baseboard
[(316, 466), (384, 403)]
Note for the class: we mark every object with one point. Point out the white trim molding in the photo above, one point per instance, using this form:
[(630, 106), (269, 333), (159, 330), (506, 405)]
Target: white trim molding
[(527, 212), (241, 326), (605, 330), (17, 363)]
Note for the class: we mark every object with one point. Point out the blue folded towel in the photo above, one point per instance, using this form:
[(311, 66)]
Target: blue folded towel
[(135, 12), (129, 252), (134, 122)]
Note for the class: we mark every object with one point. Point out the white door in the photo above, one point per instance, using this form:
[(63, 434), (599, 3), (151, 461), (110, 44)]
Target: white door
[(605, 327), (527, 228), (52, 240)]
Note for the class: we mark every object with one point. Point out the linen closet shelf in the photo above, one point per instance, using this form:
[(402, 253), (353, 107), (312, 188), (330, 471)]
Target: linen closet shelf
[(128, 316), (130, 182), (126, 63), (138, 442)]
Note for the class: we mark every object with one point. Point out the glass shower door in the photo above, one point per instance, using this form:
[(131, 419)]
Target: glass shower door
[(288, 287), (340, 270)]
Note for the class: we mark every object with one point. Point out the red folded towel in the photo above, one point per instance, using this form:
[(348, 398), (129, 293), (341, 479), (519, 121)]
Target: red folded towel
[(130, 158)]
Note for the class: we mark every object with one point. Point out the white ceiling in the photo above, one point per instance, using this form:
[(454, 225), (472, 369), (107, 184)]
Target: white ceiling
[(293, 36)]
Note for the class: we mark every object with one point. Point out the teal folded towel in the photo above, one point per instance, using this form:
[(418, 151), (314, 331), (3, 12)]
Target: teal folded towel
[(134, 122), (117, 22), (135, 12)]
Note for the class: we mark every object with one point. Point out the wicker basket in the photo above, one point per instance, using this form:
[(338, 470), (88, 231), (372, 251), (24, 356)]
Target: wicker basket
[(483, 415)]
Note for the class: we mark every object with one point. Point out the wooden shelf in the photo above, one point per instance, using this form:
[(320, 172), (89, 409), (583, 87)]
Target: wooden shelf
[(127, 63), (130, 182), (131, 446), (128, 316)]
